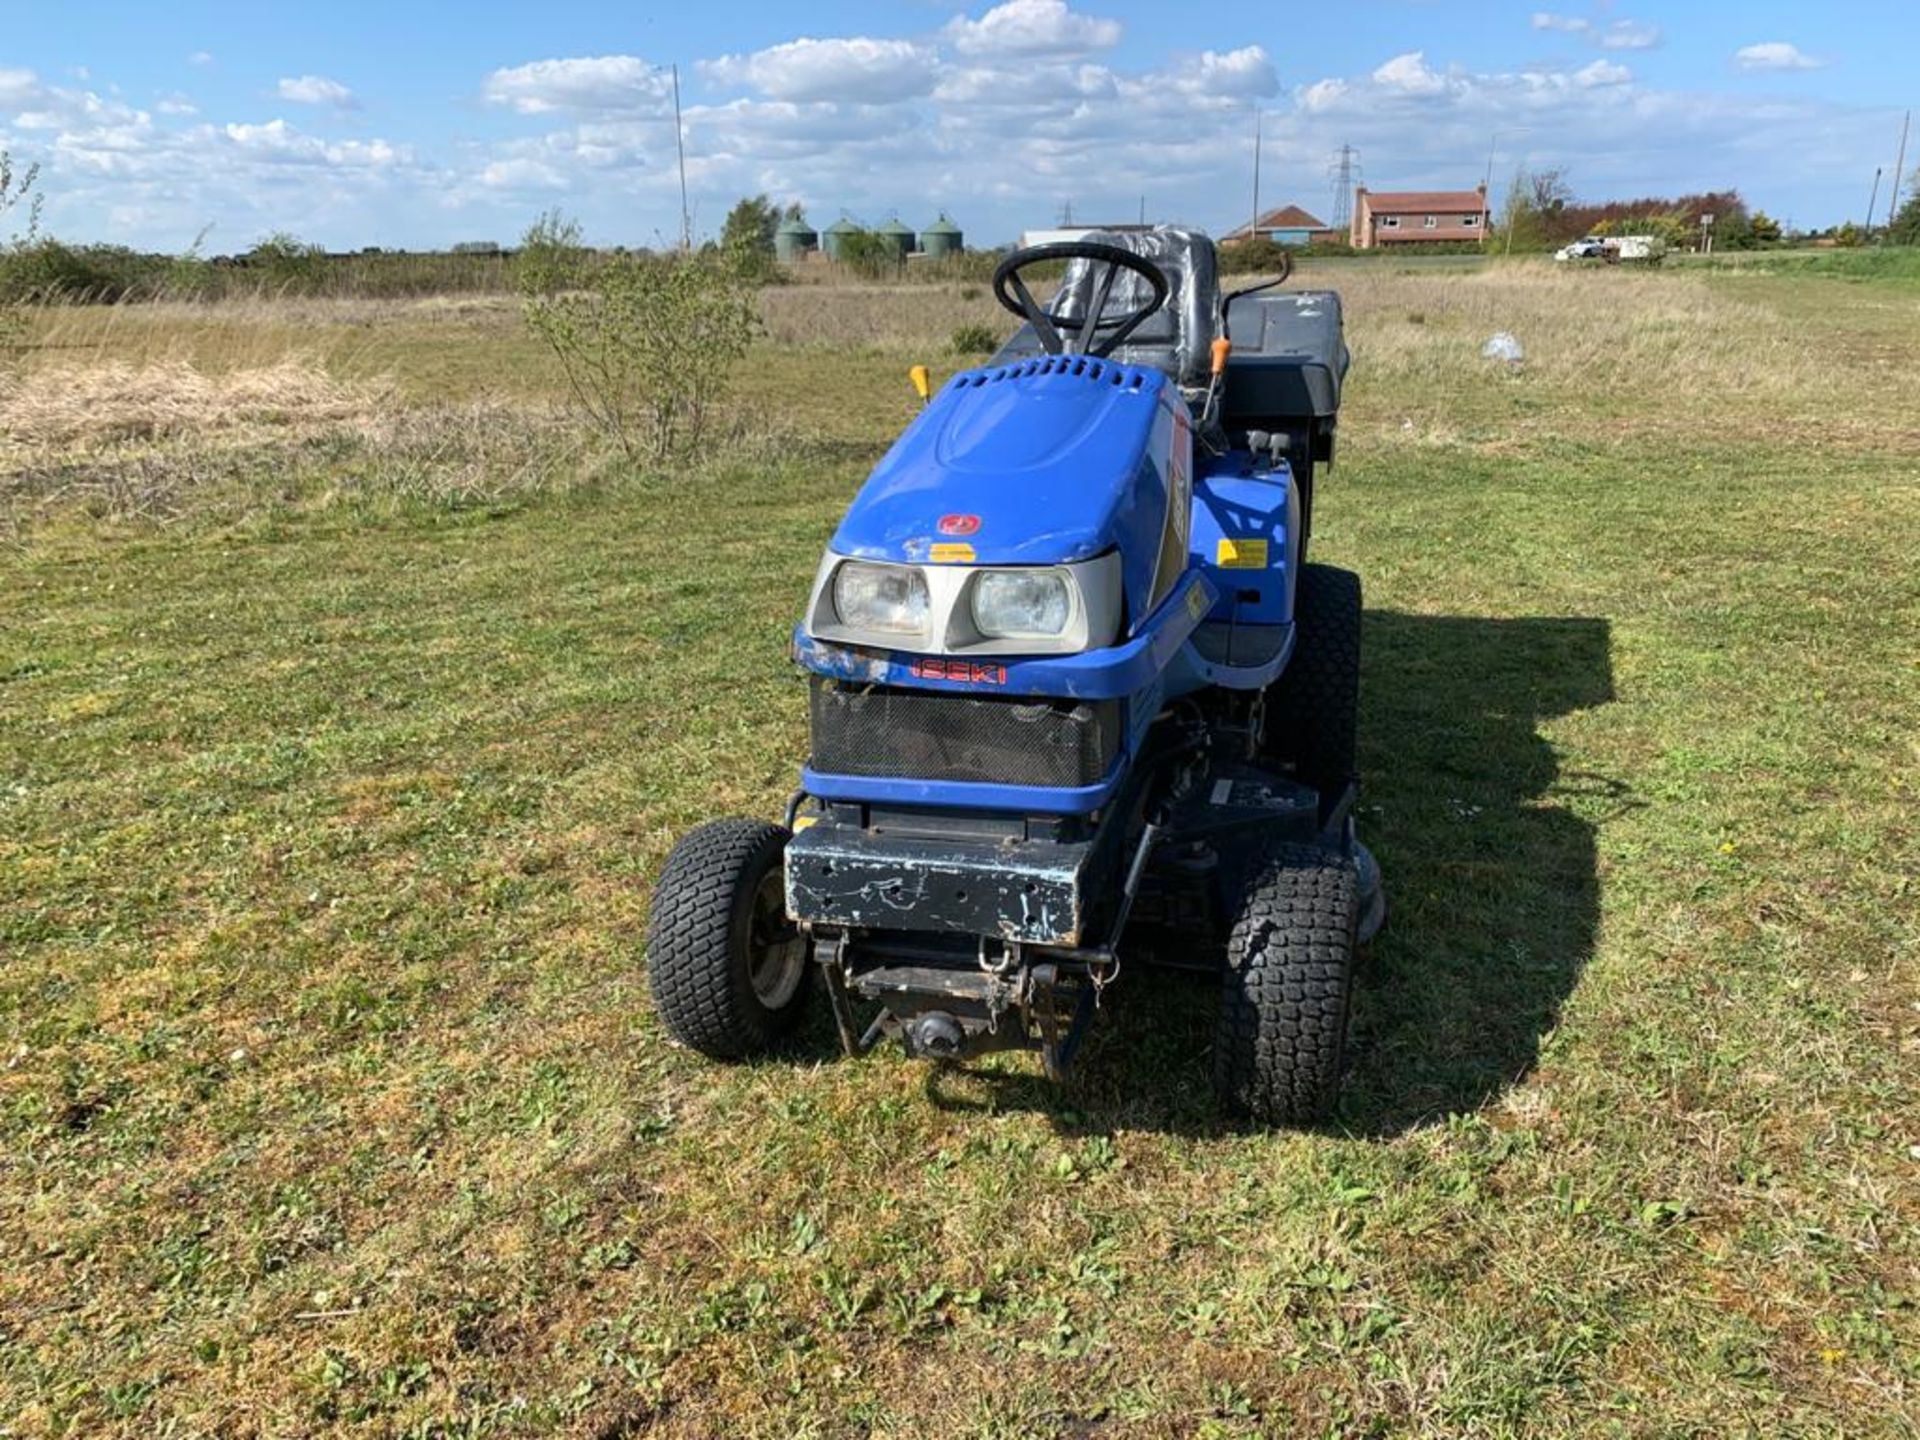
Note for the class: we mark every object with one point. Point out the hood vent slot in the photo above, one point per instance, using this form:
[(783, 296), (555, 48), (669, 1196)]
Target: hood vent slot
[(1079, 366)]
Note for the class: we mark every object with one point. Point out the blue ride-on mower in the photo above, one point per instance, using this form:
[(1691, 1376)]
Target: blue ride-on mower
[(1068, 668)]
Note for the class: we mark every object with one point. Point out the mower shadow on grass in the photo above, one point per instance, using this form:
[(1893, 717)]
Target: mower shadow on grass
[(1493, 897)]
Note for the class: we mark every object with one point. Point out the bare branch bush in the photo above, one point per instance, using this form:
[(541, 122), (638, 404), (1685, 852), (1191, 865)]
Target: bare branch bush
[(16, 191), (647, 344)]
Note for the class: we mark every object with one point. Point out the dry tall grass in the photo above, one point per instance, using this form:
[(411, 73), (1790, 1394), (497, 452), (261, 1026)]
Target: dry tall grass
[(1612, 357), (114, 401)]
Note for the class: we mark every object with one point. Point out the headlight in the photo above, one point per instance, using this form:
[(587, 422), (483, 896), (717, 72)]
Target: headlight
[(892, 598), (1021, 604)]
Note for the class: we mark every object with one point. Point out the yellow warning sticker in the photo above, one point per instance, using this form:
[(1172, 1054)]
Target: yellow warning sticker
[(949, 552), (1241, 553)]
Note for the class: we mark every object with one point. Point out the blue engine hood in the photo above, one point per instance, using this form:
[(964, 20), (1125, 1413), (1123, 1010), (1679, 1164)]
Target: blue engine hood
[(1059, 459)]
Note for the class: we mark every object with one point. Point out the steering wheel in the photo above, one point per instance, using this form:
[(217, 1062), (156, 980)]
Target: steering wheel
[(1096, 336)]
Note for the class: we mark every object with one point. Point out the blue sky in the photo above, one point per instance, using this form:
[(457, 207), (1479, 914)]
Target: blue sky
[(417, 124)]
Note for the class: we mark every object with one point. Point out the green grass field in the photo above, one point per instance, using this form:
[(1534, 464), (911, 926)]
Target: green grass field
[(331, 790)]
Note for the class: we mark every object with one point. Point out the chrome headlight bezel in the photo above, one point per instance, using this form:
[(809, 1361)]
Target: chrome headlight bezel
[(869, 613), (1061, 606), (1096, 608)]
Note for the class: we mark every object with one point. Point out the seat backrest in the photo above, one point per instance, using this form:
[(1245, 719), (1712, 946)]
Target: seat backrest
[(1178, 339)]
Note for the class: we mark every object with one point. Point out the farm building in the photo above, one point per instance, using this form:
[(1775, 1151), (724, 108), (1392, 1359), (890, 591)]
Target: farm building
[(1418, 217), (1059, 233), (1289, 225)]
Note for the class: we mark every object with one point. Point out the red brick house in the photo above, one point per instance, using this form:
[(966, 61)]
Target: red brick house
[(1418, 217)]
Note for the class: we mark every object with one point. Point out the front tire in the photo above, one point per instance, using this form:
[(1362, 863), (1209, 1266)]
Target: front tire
[(1280, 1041), (727, 969)]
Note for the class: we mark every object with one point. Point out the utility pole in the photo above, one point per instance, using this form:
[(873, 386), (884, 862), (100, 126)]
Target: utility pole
[(1253, 225), (1899, 173), (1874, 198), (1486, 187), (680, 147)]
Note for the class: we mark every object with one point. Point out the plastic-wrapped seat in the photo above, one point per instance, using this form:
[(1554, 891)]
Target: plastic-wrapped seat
[(1178, 338)]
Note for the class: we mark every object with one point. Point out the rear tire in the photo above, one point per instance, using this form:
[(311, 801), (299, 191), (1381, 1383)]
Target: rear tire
[(1280, 1042), (1313, 709), (729, 972)]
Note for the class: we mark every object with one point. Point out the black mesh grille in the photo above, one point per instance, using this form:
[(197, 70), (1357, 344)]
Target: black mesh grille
[(914, 734)]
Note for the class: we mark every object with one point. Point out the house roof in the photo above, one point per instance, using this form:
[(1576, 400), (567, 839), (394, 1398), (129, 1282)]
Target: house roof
[(1425, 202), (1290, 217), (1287, 217)]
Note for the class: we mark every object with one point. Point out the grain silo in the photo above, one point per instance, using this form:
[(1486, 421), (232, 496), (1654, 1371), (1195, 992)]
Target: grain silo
[(899, 238), (941, 238), (837, 236), (794, 240)]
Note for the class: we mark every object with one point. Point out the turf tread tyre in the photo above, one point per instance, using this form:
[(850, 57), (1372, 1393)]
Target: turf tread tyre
[(697, 947), (1280, 1038), (1313, 709)]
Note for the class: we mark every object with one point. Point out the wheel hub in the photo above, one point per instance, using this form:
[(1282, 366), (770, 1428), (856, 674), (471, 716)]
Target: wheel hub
[(776, 953)]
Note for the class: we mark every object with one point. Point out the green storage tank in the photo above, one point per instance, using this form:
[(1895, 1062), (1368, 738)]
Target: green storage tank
[(941, 238), (794, 240), (899, 238), (837, 234)]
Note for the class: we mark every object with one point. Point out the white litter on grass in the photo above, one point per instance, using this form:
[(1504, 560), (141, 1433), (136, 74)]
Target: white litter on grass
[(1504, 346)]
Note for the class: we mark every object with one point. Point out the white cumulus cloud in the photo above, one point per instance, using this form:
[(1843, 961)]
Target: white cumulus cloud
[(1032, 28), (1323, 95), (593, 83), (1614, 35), (1601, 72), (1243, 74), (1775, 55), (1629, 35), (857, 70), (1410, 74), (280, 143), (316, 90)]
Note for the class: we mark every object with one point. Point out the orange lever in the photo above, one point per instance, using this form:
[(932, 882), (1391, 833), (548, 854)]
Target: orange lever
[(1222, 348)]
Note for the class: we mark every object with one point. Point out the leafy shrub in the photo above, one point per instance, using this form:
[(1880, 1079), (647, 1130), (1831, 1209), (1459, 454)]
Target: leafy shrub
[(871, 256), (648, 344), (974, 340), (289, 264), (1249, 257), (48, 271), (551, 257)]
